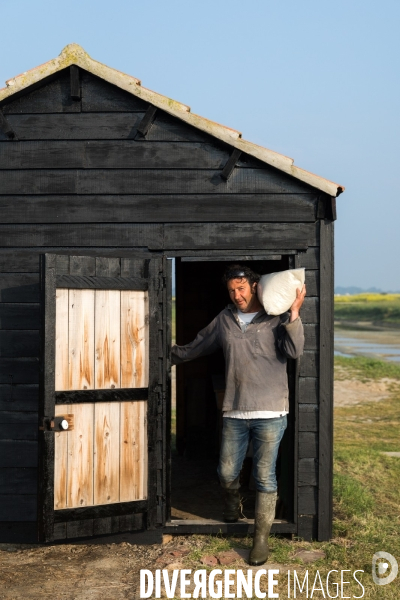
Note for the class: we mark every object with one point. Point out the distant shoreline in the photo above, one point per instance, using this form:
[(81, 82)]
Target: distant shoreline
[(365, 325)]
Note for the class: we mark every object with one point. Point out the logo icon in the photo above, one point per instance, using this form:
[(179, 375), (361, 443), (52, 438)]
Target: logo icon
[(380, 568)]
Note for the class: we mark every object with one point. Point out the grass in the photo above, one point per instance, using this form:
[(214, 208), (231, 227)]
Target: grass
[(365, 368), (366, 494), (375, 308), (173, 322), (173, 431), (366, 488)]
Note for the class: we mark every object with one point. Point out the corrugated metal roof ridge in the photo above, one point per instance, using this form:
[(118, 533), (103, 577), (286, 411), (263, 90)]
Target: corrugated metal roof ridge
[(75, 54)]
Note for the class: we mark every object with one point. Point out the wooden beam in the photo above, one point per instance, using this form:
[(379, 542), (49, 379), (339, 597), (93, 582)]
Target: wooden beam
[(147, 121), (326, 207), (326, 383), (208, 526), (75, 82), (14, 371), (19, 532), (141, 180), (155, 393), (333, 213), (99, 511), (230, 165), (308, 444), (229, 258), (21, 315), (46, 397), (105, 395), (6, 128), (23, 397), (101, 283), (147, 235), (154, 208), (231, 236)]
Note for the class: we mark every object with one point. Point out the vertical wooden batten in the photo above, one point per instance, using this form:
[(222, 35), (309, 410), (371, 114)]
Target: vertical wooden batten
[(325, 470), (155, 391), (166, 432), (46, 397), (294, 263), (75, 82)]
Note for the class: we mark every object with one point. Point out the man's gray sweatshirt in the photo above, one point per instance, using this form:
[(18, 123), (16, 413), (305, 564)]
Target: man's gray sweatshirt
[(255, 359)]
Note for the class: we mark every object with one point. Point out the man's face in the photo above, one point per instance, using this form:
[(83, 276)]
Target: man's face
[(242, 295)]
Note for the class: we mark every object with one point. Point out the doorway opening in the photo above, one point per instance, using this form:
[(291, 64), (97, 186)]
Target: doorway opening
[(197, 395)]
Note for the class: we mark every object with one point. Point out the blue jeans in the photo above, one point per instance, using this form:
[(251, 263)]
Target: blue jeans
[(266, 435)]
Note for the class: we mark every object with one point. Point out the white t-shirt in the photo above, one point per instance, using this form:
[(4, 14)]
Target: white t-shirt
[(254, 414), (246, 318)]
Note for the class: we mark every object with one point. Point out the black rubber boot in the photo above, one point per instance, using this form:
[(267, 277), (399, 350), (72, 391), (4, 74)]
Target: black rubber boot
[(264, 517), (232, 505)]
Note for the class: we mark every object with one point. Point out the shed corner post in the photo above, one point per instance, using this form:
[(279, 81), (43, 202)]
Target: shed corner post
[(325, 474)]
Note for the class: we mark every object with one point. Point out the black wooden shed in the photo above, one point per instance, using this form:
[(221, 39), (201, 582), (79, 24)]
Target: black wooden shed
[(101, 183)]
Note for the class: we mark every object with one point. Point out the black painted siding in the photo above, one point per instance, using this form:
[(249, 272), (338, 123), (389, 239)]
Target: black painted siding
[(81, 180)]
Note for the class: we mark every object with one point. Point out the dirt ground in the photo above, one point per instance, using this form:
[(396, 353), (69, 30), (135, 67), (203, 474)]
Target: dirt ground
[(107, 571), (84, 571), (73, 571), (111, 571), (349, 392)]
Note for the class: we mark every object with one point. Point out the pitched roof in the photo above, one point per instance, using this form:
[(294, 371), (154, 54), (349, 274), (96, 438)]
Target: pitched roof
[(73, 54)]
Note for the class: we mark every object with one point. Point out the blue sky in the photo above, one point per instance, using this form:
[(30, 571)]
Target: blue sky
[(317, 81)]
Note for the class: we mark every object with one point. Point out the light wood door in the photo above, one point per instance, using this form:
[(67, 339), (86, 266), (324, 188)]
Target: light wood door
[(101, 343)]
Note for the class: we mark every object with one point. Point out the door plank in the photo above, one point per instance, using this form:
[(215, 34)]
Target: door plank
[(60, 461), (143, 445), (107, 339), (133, 453), (106, 452), (62, 375), (134, 339), (81, 339), (80, 457)]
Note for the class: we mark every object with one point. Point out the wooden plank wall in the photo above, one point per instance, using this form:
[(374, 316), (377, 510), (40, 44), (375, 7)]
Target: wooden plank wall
[(81, 179), (308, 400)]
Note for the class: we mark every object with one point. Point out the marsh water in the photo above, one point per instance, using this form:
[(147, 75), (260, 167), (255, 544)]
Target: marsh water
[(380, 343)]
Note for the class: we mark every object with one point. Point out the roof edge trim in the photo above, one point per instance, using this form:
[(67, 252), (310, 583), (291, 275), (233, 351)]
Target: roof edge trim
[(73, 54)]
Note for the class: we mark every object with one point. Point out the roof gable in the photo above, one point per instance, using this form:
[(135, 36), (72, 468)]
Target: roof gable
[(73, 54)]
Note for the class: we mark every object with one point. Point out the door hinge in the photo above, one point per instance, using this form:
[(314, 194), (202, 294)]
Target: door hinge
[(163, 282)]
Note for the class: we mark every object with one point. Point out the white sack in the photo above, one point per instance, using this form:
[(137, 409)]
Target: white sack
[(277, 291)]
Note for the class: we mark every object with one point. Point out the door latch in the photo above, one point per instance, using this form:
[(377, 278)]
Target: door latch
[(57, 424)]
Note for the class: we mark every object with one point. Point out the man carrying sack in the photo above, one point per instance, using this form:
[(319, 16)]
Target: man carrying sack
[(256, 346)]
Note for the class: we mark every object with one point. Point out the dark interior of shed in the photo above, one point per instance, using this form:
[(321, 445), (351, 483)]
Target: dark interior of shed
[(196, 432)]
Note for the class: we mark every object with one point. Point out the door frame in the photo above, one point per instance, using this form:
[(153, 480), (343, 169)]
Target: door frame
[(184, 527)]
